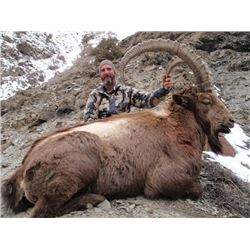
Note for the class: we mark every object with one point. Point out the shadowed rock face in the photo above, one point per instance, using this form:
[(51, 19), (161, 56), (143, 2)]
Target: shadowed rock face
[(61, 101)]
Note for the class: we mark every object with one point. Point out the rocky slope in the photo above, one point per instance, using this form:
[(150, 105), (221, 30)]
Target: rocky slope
[(28, 59), (61, 100)]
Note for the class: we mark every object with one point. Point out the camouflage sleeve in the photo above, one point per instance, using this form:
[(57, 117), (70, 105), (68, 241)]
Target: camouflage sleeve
[(143, 99), (92, 107)]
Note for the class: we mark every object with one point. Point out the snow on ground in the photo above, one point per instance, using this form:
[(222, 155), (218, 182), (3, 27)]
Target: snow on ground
[(69, 46), (240, 164), (66, 46)]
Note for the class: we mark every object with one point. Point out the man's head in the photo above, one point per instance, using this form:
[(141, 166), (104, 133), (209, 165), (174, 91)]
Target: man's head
[(107, 73)]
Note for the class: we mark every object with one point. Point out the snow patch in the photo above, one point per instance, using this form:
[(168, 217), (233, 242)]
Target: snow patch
[(65, 48), (240, 164)]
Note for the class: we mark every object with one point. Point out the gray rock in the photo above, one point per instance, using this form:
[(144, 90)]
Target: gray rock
[(89, 206), (105, 205)]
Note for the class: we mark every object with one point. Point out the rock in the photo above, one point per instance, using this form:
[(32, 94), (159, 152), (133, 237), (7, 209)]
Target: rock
[(89, 206), (8, 39), (26, 49), (4, 165), (132, 206), (105, 205), (59, 124), (65, 107), (150, 211), (53, 67), (240, 65), (64, 110), (97, 210)]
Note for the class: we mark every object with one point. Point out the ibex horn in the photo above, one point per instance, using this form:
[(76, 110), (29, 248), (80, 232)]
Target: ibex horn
[(201, 70), (173, 63)]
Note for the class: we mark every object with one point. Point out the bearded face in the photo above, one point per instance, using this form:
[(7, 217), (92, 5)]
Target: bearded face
[(107, 75), (108, 81)]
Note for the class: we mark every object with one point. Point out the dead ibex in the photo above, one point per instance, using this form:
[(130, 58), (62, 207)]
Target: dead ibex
[(155, 153)]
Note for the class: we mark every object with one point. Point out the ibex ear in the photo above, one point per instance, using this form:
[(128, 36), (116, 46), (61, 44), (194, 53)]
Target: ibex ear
[(184, 101)]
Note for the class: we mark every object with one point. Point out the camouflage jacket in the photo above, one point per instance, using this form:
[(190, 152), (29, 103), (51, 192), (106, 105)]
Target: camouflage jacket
[(102, 104)]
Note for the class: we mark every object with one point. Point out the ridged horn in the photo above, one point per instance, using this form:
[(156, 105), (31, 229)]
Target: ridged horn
[(201, 70), (174, 63)]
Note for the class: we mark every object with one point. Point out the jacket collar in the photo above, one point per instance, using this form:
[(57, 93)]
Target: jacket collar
[(101, 89)]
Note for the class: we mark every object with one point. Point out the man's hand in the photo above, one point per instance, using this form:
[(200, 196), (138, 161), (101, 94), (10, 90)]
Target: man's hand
[(167, 82)]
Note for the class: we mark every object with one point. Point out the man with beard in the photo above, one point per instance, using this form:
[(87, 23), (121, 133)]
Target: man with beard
[(111, 98)]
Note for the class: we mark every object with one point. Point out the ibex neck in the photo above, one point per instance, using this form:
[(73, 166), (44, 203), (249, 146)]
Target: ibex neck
[(188, 132)]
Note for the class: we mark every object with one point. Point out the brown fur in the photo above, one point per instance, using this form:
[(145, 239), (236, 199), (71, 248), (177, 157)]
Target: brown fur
[(155, 154), (227, 148)]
